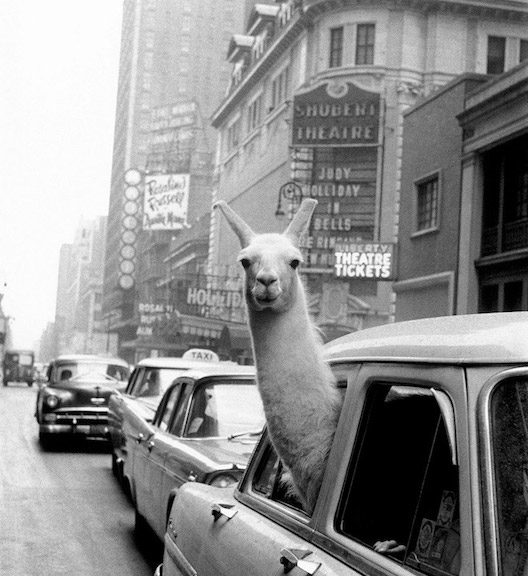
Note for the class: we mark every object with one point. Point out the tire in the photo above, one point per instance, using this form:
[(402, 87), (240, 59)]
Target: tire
[(5, 382), (45, 440), (141, 528), (30, 384), (115, 466)]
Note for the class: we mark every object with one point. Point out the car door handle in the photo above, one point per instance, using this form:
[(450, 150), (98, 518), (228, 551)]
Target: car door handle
[(291, 557), (227, 510), (139, 438), (150, 445)]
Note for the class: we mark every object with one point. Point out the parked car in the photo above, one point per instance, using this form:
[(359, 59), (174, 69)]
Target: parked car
[(74, 399), (204, 430), (149, 380), (430, 457), (17, 366)]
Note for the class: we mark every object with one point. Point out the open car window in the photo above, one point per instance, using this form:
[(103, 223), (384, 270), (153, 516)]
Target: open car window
[(402, 484)]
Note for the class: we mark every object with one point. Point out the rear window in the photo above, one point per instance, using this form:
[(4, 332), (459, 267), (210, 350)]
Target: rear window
[(78, 370)]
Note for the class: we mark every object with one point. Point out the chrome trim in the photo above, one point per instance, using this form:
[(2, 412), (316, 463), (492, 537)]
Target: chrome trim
[(485, 452)]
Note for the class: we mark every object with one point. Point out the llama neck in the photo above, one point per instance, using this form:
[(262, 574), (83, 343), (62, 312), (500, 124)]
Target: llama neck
[(296, 385)]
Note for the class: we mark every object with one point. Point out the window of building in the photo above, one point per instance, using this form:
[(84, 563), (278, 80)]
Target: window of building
[(336, 47), (279, 88), (427, 201), (505, 198), (496, 54), (365, 38), (233, 135), (523, 51), (254, 114), (410, 496)]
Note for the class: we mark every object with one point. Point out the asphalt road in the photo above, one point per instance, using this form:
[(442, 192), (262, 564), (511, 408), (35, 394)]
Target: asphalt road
[(61, 511)]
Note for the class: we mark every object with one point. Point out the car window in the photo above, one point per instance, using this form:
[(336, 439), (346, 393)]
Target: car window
[(402, 485), (224, 408), (509, 419), (167, 409), (77, 370), (272, 481), (155, 381)]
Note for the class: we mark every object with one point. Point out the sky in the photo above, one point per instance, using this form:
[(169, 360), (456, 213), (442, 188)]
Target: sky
[(59, 62)]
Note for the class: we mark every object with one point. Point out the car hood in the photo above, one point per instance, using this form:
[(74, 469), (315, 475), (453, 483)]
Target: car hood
[(222, 451)]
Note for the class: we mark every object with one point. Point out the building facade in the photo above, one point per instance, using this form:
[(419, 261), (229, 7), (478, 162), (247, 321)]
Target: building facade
[(172, 76), (465, 193), (315, 108)]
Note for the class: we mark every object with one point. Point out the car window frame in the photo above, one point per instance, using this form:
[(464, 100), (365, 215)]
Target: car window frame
[(485, 454), (160, 411), (450, 379)]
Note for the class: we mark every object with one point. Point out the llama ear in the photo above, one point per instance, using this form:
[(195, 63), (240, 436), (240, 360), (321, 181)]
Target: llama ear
[(301, 219), (240, 228)]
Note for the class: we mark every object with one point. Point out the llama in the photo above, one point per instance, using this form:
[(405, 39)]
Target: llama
[(301, 401)]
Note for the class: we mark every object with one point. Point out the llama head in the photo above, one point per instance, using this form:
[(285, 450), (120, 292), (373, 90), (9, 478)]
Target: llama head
[(270, 260)]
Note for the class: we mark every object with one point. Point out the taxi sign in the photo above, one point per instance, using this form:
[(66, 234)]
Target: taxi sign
[(201, 354)]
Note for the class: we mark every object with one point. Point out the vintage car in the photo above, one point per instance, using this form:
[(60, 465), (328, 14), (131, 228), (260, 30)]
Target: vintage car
[(149, 380), (17, 366), (204, 430), (429, 465), (74, 399)]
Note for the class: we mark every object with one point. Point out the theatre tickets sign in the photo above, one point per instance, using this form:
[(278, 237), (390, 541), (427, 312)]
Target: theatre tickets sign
[(336, 114)]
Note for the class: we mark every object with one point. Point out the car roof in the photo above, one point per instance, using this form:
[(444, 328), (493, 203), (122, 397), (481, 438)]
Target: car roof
[(177, 362), (219, 369), (497, 338), (65, 358)]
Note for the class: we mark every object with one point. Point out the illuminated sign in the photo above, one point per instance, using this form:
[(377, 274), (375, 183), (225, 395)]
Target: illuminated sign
[(370, 261), (337, 114)]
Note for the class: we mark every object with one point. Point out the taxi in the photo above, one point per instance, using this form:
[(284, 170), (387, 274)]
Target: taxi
[(138, 402), (428, 471), (205, 430)]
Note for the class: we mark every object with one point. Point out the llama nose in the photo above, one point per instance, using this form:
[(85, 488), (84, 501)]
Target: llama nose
[(267, 278)]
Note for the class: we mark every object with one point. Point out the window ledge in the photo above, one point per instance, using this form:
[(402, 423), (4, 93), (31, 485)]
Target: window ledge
[(425, 232)]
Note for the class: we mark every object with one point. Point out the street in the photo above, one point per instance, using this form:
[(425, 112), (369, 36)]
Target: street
[(61, 511)]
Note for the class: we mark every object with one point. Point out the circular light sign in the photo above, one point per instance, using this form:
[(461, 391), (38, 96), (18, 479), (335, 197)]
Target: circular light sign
[(130, 207), (131, 193), (126, 282), (128, 237), (128, 252), (132, 177), (127, 266), (130, 222)]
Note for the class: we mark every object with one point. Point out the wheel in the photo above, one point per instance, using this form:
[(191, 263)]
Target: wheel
[(5, 382), (30, 384), (141, 528), (45, 440), (115, 465)]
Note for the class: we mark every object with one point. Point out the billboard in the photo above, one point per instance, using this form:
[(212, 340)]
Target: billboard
[(370, 261), (336, 114), (166, 201)]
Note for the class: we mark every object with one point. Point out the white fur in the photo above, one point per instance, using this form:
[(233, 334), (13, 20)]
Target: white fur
[(300, 399)]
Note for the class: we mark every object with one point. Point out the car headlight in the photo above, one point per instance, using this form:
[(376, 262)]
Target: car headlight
[(223, 480), (52, 401)]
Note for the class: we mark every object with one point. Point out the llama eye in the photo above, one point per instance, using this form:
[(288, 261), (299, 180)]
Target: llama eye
[(294, 263), (245, 263)]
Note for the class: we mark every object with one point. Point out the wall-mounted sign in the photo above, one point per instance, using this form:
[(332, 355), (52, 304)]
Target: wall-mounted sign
[(336, 114), (150, 316), (165, 201), (369, 261)]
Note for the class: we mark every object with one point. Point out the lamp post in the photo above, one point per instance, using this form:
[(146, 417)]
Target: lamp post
[(291, 191)]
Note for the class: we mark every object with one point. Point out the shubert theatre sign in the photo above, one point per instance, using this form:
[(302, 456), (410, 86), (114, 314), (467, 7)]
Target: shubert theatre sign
[(336, 115)]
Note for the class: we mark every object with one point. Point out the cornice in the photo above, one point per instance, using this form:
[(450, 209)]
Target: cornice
[(514, 10)]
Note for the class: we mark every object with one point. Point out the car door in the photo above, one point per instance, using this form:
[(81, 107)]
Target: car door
[(151, 499)]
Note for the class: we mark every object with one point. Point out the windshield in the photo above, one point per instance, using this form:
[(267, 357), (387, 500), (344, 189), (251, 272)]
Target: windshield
[(77, 371), (509, 412), (155, 381), (224, 409)]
